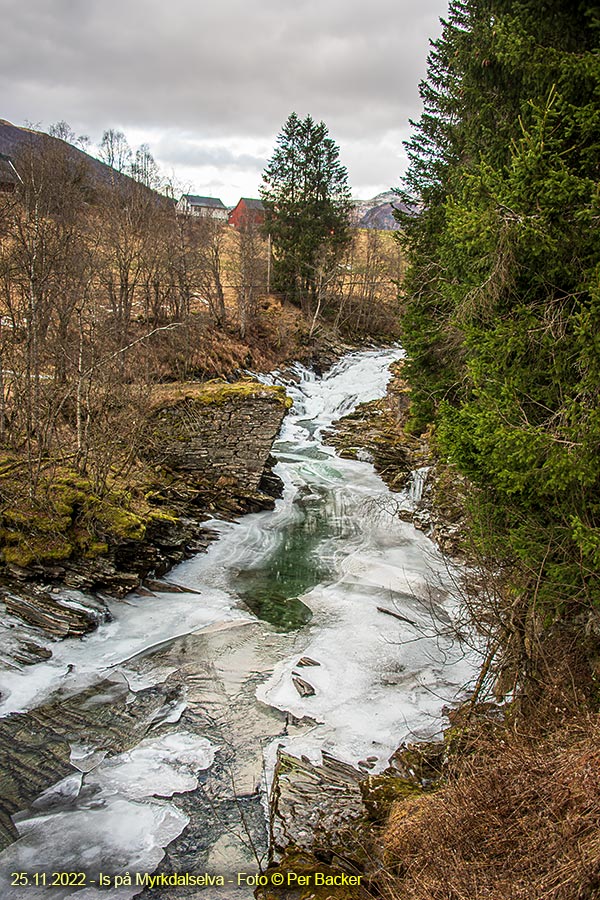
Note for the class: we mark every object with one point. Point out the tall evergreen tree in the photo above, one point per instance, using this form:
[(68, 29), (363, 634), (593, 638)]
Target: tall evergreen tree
[(307, 201), (503, 313)]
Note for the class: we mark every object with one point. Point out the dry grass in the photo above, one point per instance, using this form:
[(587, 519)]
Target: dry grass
[(519, 821)]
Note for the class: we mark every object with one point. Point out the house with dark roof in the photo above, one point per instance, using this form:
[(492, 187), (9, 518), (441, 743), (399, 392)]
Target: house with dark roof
[(9, 177), (247, 212), (207, 207)]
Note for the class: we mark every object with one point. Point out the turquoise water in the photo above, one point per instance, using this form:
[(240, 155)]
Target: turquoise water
[(271, 588)]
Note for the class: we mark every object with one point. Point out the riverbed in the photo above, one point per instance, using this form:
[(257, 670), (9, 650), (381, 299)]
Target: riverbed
[(325, 625)]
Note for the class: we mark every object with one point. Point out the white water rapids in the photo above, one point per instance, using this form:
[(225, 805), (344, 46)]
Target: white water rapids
[(376, 679)]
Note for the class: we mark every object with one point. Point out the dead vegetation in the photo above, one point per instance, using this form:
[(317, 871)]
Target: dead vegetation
[(519, 819)]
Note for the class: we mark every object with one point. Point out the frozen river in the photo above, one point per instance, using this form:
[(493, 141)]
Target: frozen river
[(282, 643)]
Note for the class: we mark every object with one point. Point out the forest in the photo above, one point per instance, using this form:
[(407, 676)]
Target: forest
[(501, 320), (500, 323)]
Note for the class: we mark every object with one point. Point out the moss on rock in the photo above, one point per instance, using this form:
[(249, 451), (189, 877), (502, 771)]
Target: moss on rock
[(380, 792), (23, 549), (217, 392)]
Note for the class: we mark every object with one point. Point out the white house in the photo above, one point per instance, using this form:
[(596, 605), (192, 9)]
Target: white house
[(209, 207)]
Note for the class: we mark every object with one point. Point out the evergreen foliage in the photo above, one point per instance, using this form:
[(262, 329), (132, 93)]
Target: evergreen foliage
[(503, 318), (307, 202)]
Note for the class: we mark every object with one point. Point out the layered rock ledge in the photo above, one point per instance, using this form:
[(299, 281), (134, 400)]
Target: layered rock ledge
[(217, 433), (208, 453)]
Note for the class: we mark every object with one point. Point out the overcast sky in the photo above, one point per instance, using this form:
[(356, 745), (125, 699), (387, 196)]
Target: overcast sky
[(209, 83)]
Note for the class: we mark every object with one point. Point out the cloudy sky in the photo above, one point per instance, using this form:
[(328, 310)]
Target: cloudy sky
[(209, 83)]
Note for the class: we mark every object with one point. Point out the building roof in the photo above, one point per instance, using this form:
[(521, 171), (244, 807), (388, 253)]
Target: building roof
[(253, 204), (212, 202)]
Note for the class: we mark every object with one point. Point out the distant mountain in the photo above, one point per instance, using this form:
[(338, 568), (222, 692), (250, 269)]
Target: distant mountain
[(378, 212)]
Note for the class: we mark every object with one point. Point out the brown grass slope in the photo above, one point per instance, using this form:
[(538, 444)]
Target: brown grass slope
[(519, 820)]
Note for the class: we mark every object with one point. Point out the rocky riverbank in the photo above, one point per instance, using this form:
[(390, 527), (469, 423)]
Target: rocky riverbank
[(208, 453), (328, 820), (322, 814)]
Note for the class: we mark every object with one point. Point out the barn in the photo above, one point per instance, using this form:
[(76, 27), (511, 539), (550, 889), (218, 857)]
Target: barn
[(247, 212)]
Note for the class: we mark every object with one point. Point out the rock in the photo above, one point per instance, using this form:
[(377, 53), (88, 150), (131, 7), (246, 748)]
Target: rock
[(167, 587), (211, 442), (315, 808), (219, 434), (380, 792), (28, 653), (419, 764), (303, 687), (307, 661), (52, 613), (421, 519), (35, 747), (32, 757)]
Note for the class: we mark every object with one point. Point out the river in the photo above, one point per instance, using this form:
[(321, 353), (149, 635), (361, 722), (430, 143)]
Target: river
[(282, 643)]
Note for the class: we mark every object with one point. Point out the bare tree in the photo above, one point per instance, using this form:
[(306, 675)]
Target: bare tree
[(251, 262), (115, 150), (372, 273), (211, 233), (64, 131), (44, 257), (145, 169), (127, 211)]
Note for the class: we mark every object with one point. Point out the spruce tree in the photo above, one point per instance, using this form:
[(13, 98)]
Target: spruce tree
[(307, 201), (502, 321)]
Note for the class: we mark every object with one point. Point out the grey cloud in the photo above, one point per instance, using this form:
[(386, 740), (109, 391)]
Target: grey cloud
[(215, 69), (181, 152), (216, 65)]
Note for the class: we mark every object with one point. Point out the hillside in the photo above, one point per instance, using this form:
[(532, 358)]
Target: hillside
[(15, 141)]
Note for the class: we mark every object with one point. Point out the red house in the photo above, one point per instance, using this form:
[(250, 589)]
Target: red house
[(247, 212)]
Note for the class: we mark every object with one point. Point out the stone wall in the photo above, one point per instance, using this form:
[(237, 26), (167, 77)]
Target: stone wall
[(219, 433)]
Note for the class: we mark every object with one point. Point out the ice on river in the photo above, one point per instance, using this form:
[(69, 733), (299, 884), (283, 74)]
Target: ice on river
[(140, 624), (107, 820), (378, 679)]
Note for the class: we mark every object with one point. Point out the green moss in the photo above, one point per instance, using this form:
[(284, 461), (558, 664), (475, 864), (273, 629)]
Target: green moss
[(162, 515), (120, 522), (66, 492), (37, 548), (91, 548), (67, 517), (39, 529), (379, 792), (217, 392), (31, 519)]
